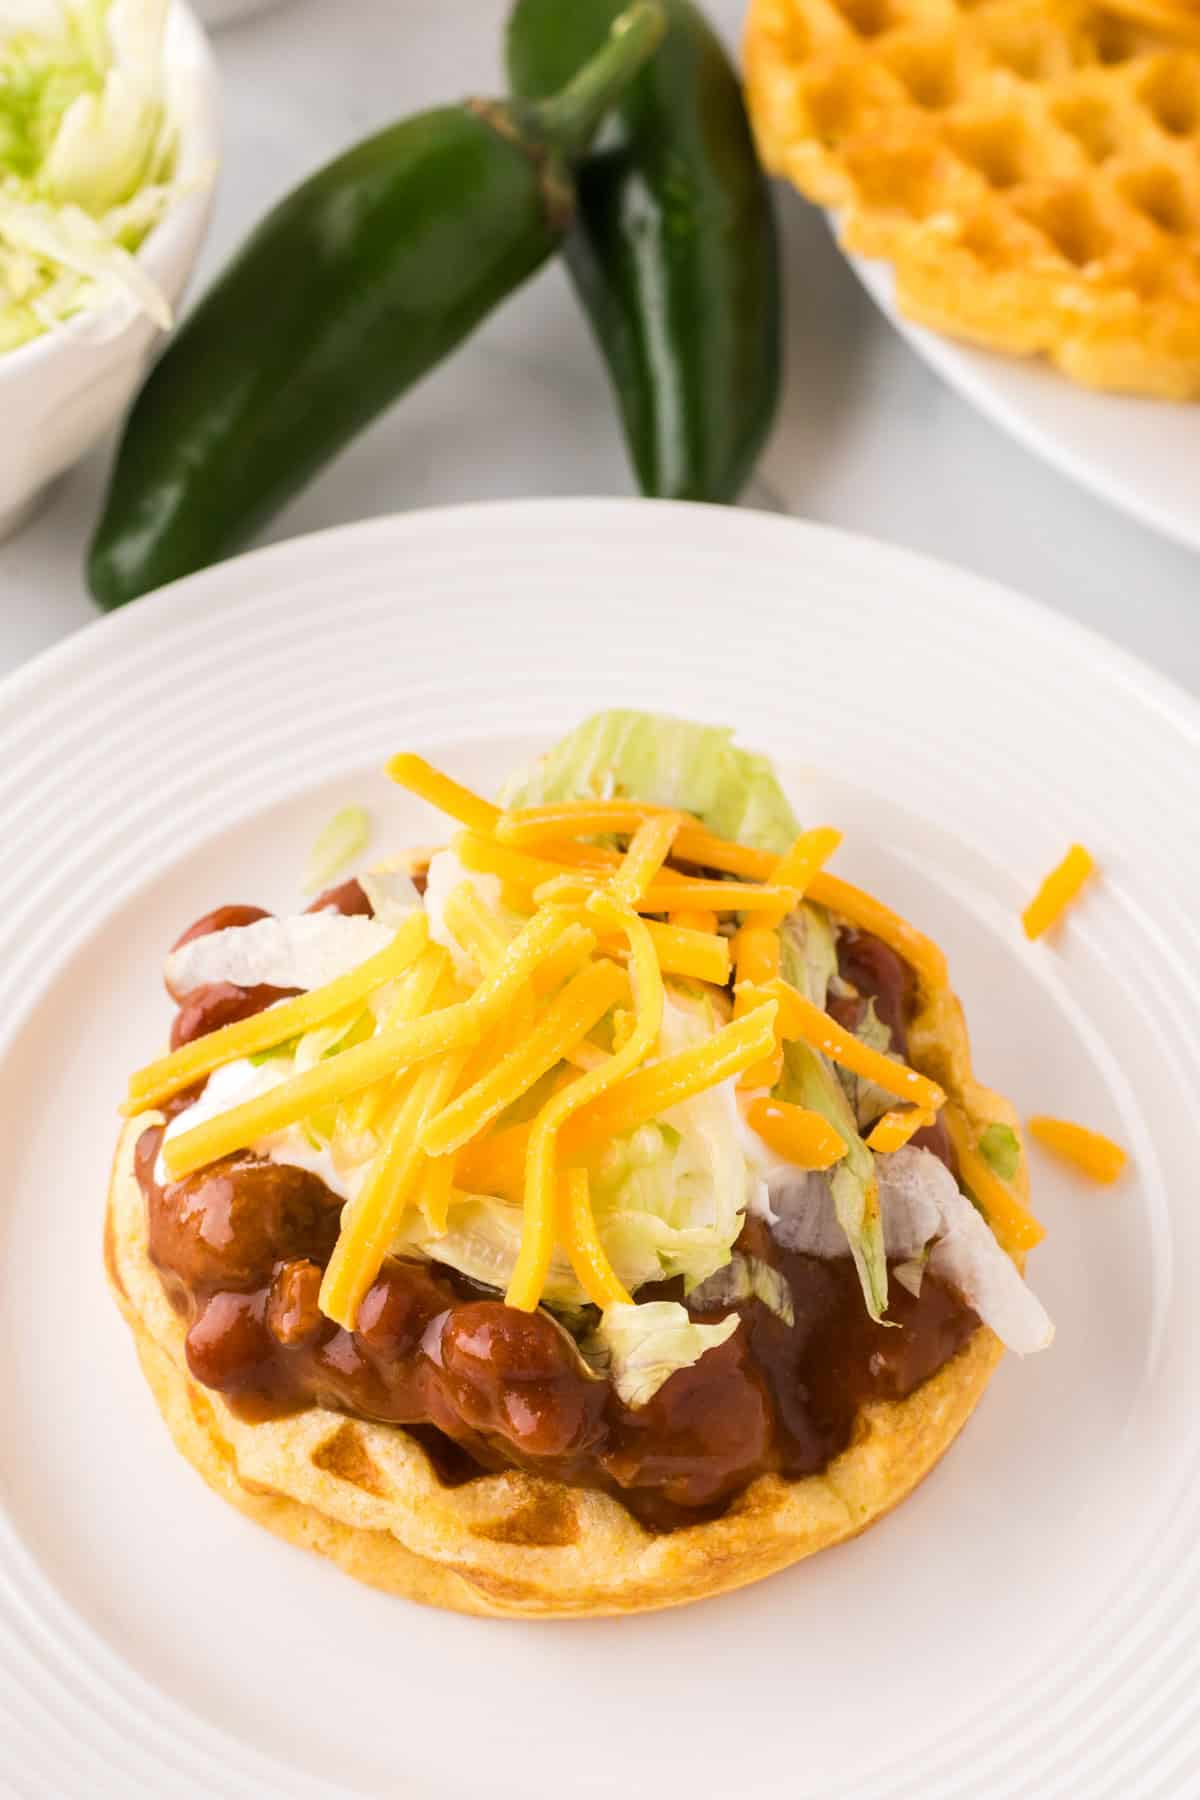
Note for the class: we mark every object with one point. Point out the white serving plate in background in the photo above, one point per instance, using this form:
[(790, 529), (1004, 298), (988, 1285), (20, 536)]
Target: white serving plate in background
[(1141, 456)]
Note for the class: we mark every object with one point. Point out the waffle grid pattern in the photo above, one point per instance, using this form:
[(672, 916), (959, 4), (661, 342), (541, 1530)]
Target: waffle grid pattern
[(1032, 170)]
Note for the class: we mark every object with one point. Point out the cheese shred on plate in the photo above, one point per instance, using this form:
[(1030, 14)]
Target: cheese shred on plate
[(1060, 888), (1088, 1151)]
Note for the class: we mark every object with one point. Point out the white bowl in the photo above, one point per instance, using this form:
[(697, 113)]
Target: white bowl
[(59, 393)]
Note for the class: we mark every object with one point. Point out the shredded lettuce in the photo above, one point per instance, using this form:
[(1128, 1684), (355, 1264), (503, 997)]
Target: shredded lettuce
[(669, 1198), (87, 161), (274, 1053), (867, 1099), (390, 895), (809, 952), (665, 762), (352, 1026), (1000, 1148), (342, 1032), (482, 1241), (809, 963), (746, 1278), (911, 1273), (345, 836), (809, 947), (640, 1347), (444, 875), (809, 1081)]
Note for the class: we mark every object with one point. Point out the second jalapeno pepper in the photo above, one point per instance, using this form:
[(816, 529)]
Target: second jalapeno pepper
[(673, 246)]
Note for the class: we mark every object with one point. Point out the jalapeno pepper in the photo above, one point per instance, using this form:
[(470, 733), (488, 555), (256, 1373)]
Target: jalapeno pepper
[(352, 288), (673, 246)]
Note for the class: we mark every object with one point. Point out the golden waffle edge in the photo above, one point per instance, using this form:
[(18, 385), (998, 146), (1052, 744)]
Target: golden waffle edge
[(1031, 168)]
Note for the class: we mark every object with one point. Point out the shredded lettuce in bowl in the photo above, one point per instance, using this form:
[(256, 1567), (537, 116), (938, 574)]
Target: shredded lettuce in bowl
[(87, 161)]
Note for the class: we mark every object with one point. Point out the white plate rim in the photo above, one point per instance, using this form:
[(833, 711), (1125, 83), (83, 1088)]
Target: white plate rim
[(982, 378), (160, 605)]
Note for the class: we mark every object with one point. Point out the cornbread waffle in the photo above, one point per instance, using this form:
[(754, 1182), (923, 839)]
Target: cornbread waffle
[(510, 1545), (367, 1496), (1176, 18), (1032, 170)]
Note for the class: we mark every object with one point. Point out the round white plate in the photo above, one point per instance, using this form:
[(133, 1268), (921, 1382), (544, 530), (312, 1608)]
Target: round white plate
[(1139, 455), (1028, 1623)]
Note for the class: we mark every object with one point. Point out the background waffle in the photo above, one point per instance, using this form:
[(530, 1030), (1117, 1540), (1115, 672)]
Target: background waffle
[(1030, 167)]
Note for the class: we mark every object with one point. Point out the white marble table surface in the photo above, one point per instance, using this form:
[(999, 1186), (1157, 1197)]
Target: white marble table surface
[(868, 439)]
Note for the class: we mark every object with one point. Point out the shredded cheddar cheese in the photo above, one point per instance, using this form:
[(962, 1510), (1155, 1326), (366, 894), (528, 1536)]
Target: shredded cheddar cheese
[(390, 1185), (658, 1086), (810, 852), (427, 1089), (694, 844), (648, 849), (483, 855), (360, 1113), (793, 1132), (623, 1022), (895, 1129), (525, 825), (1056, 893), (1014, 1225), (593, 859), (577, 1228), (699, 955), (569, 888), (547, 941), (435, 1192), (568, 1019), (868, 914), (389, 1052), (546, 878), (536, 825), (170, 1074), (669, 893), (799, 1018), (476, 931), (683, 950), (495, 1164), (1088, 1151), (586, 1055), (706, 851), (537, 1235), (672, 891), (693, 918), (561, 961), (429, 784), (474, 928), (666, 895), (756, 956)]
